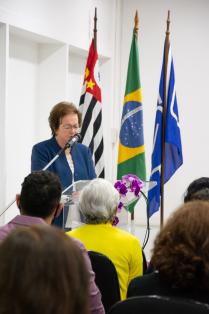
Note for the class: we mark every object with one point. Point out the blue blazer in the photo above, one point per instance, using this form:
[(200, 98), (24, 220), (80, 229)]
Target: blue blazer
[(44, 152)]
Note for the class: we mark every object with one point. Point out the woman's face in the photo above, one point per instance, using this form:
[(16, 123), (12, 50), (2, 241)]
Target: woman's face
[(68, 127)]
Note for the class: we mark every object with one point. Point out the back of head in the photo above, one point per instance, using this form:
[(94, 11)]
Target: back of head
[(42, 271), (40, 194), (197, 190), (181, 250), (98, 202)]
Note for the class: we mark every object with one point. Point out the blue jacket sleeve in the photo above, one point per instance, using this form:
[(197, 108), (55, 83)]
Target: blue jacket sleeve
[(39, 158)]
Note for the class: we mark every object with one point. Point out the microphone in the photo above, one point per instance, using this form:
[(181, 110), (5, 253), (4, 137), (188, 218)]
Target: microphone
[(72, 140)]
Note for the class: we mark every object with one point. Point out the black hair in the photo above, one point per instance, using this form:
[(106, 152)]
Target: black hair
[(40, 194), (197, 190)]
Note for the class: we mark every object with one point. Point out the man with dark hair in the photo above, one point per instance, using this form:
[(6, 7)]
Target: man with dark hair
[(197, 190), (39, 203), (40, 195)]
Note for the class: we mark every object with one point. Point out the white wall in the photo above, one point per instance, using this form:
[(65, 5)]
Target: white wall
[(65, 20)]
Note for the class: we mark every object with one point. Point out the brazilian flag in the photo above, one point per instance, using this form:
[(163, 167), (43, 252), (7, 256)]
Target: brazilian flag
[(131, 153)]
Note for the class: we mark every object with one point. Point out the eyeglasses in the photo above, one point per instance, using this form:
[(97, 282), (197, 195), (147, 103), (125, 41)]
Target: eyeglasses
[(70, 127)]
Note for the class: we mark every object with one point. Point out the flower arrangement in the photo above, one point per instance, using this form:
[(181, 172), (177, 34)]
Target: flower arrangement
[(130, 189)]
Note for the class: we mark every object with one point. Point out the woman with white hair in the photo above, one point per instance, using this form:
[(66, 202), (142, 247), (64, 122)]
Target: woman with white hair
[(98, 205)]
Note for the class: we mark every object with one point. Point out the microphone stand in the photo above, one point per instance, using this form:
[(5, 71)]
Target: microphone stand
[(55, 157), (67, 145)]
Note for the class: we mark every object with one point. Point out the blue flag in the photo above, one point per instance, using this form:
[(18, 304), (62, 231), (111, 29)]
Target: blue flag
[(173, 149)]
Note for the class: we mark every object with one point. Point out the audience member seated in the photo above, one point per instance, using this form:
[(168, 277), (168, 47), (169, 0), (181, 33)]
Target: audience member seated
[(39, 203), (180, 257), (42, 271), (197, 190), (98, 204)]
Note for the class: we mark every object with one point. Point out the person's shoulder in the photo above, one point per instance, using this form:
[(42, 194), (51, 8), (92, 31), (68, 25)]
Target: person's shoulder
[(82, 150), (7, 228), (144, 284), (130, 242), (126, 235), (76, 231), (46, 147), (151, 278), (4, 231), (82, 147), (44, 143), (76, 241)]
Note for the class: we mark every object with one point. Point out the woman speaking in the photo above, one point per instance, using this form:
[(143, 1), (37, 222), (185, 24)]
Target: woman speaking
[(74, 163)]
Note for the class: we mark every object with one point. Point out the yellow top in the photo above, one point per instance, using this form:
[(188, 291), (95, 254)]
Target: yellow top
[(120, 246)]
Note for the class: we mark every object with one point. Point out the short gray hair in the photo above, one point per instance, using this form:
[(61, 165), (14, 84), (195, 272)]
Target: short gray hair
[(98, 202)]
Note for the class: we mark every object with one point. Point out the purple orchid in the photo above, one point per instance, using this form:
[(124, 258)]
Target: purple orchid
[(120, 186), (129, 183), (120, 205), (136, 186), (116, 221)]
